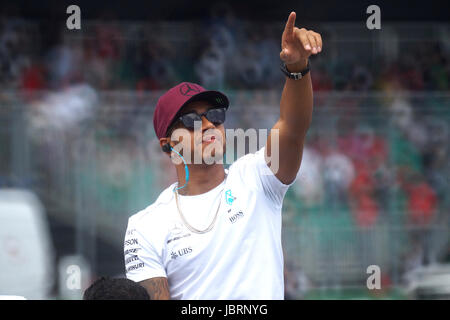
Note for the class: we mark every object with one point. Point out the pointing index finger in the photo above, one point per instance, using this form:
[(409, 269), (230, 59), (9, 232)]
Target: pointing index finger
[(289, 29)]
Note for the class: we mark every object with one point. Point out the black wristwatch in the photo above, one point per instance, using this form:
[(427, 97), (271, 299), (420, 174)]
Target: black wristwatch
[(294, 75)]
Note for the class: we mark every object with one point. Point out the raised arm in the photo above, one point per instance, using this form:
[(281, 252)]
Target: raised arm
[(157, 288), (296, 103)]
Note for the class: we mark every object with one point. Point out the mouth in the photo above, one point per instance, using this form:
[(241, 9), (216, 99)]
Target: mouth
[(209, 139)]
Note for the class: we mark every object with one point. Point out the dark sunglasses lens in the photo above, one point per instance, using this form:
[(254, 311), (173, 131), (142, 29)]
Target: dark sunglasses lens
[(216, 116), (189, 119)]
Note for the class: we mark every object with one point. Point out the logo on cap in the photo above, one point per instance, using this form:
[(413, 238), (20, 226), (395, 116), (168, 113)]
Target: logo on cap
[(189, 90)]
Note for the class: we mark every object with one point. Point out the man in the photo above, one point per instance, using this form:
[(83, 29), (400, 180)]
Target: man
[(216, 234)]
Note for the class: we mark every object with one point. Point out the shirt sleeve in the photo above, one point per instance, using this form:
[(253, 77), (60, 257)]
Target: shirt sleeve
[(142, 260), (255, 172)]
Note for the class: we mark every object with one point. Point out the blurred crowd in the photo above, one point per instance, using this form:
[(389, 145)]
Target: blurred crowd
[(221, 52), (366, 164), (386, 169)]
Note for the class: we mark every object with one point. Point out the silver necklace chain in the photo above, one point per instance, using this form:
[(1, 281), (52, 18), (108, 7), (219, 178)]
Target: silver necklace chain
[(195, 230)]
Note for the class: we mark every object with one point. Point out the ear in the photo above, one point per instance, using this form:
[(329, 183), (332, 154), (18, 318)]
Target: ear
[(164, 143)]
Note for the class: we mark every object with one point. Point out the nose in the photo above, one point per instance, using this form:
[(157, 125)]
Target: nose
[(206, 124)]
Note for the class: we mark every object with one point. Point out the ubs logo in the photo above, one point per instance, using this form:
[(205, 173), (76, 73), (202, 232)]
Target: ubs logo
[(189, 89), (175, 254)]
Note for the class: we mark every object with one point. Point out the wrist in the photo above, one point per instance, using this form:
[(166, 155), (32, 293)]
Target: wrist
[(297, 66), (295, 71)]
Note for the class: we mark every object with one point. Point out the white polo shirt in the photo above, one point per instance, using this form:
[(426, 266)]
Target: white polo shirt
[(240, 258)]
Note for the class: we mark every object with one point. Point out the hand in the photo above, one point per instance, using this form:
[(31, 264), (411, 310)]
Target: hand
[(298, 44)]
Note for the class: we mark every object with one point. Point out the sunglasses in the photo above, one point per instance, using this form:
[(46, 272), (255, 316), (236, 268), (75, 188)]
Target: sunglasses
[(214, 115)]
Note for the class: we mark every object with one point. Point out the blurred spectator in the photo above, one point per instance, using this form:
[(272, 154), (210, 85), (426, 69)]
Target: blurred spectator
[(436, 68), (402, 113), (247, 68), (309, 186), (211, 68), (338, 172), (364, 206), (296, 282), (421, 206), (422, 201), (63, 111), (63, 64), (33, 80), (410, 74), (15, 44), (321, 80), (363, 146), (361, 79), (162, 73)]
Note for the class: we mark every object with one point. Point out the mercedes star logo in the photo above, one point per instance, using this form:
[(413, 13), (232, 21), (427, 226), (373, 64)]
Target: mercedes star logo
[(189, 89)]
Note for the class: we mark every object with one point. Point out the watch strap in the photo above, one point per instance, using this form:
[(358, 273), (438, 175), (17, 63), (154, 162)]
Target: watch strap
[(294, 75)]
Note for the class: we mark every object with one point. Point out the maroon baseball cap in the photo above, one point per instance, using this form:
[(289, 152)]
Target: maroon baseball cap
[(170, 103)]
